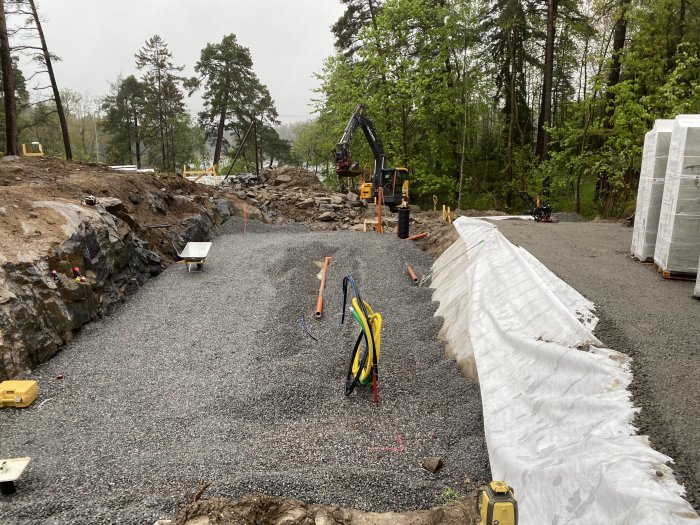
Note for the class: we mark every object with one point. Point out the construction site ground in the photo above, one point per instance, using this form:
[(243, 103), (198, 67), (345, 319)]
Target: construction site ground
[(210, 377), (654, 320)]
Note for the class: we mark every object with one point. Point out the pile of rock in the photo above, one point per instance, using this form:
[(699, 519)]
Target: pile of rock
[(295, 194)]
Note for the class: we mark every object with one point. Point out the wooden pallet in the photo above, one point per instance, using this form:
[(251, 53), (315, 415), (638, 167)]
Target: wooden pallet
[(675, 276)]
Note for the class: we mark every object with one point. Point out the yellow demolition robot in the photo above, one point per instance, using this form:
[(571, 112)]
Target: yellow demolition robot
[(497, 505)]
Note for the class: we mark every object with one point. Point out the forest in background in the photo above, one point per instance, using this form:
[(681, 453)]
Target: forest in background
[(480, 99)]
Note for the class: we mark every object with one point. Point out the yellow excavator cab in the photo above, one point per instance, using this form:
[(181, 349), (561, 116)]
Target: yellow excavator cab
[(366, 189)]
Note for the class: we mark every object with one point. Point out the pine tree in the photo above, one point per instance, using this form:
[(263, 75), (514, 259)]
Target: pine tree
[(164, 108), (233, 94), (124, 108)]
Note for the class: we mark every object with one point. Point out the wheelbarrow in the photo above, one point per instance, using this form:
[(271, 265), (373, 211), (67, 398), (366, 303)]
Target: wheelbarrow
[(194, 255)]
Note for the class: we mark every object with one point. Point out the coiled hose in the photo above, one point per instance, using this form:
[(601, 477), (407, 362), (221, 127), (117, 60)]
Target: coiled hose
[(363, 365)]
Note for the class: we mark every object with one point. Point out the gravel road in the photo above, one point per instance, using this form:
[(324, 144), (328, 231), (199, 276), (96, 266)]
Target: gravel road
[(208, 376), (655, 321)]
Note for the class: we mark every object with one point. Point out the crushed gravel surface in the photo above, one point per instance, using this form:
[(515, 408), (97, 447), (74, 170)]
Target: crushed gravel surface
[(655, 321), (208, 376)]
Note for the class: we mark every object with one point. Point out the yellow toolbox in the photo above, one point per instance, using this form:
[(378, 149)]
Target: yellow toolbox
[(18, 394)]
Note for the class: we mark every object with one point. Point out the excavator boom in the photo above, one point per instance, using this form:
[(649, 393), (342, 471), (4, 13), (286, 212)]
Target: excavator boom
[(393, 181)]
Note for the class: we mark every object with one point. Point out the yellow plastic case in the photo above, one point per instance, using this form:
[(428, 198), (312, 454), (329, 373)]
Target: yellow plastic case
[(18, 394), (498, 505)]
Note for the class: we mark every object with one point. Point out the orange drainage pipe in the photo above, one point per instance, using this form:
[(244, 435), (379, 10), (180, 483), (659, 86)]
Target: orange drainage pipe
[(319, 302), (411, 273), (380, 203), (417, 236)]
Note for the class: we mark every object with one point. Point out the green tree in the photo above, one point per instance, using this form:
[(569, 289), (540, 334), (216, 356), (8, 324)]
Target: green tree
[(233, 94), (358, 15), (164, 109), (124, 108), (508, 28)]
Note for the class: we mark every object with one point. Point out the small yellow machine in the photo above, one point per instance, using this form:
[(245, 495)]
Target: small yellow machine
[(33, 150), (497, 505), (18, 394)]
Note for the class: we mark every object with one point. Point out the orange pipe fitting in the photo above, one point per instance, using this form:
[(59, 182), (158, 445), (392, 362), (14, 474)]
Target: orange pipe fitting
[(411, 273), (417, 236), (319, 302)]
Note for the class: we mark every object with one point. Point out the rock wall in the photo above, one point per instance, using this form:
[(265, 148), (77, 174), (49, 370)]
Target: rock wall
[(39, 313)]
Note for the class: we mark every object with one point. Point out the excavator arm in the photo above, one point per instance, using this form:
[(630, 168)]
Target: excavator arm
[(393, 181), (358, 119)]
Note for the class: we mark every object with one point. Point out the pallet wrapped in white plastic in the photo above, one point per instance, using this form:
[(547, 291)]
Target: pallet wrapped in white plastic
[(651, 189), (678, 239)]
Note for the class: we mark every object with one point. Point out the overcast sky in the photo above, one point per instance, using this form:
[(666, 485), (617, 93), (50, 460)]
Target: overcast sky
[(288, 40)]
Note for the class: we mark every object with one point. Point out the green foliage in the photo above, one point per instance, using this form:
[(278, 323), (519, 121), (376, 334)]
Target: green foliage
[(451, 494), (233, 97), (454, 89), (124, 106), (164, 111), (312, 147)]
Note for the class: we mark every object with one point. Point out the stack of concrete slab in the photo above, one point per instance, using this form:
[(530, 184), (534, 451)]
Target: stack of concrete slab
[(651, 189), (678, 238)]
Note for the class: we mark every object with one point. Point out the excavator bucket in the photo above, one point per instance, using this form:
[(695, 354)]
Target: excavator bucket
[(347, 169)]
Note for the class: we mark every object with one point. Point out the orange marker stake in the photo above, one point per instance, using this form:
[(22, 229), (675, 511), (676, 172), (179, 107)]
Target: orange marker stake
[(417, 236), (412, 274), (319, 302)]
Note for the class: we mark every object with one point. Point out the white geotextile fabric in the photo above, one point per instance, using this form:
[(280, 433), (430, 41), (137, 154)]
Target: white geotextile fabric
[(557, 412), (651, 189), (678, 238)]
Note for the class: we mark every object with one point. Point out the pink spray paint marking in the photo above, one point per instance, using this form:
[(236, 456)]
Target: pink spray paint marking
[(399, 448)]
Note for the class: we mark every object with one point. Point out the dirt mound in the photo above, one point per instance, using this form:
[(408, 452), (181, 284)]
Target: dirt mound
[(154, 205), (295, 176), (269, 510)]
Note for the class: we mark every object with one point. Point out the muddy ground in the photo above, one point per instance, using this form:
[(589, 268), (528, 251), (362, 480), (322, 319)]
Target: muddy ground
[(655, 321)]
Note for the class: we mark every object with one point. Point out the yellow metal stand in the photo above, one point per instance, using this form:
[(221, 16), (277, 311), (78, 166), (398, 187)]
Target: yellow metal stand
[(202, 173), (35, 150)]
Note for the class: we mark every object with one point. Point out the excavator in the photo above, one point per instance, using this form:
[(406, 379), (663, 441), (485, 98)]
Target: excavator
[(393, 181)]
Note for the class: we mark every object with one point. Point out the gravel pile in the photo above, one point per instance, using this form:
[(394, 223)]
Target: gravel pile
[(208, 376)]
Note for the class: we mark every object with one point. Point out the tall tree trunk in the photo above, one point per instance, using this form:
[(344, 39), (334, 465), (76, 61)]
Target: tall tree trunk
[(54, 85), (161, 110), (602, 189), (681, 21), (545, 117), (138, 141), (511, 123), (12, 140), (619, 35), (220, 131)]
